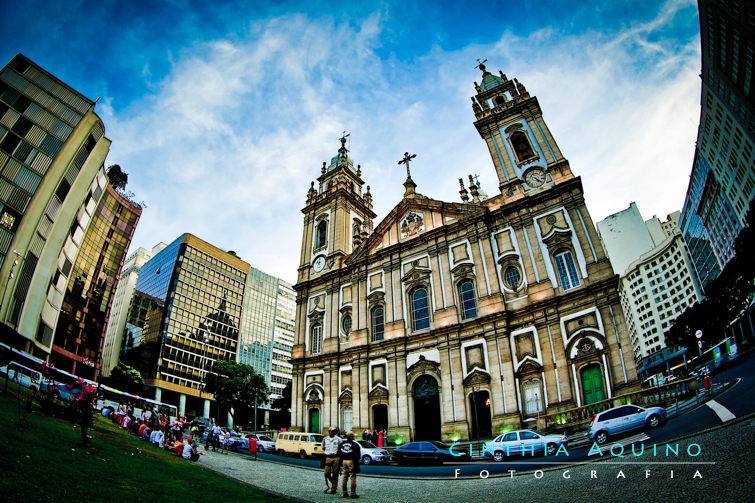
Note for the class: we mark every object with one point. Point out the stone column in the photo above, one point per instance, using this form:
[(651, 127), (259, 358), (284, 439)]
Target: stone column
[(182, 404)]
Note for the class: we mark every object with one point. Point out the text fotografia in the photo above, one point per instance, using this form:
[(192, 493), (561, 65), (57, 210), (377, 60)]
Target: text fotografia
[(538, 474), (615, 450)]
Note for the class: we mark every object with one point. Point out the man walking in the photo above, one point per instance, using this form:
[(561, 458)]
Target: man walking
[(330, 448), (350, 454)]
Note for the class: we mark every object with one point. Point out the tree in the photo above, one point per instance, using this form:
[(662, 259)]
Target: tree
[(235, 386), (118, 178), (125, 378)]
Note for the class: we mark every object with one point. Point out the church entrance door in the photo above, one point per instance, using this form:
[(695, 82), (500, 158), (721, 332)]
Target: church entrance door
[(426, 408), (479, 405)]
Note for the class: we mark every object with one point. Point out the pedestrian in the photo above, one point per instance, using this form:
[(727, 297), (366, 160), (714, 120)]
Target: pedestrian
[(380, 438), (332, 462), (216, 431), (190, 451), (349, 454)]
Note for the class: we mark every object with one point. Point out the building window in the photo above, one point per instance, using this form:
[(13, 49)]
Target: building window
[(322, 234), (521, 146), (531, 392), (567, 271), (420, 309), (346, 324), (512, 277), (378, 323), (316, 345), (467, 298)]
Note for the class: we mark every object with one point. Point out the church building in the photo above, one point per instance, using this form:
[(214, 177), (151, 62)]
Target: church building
[(455, 320)]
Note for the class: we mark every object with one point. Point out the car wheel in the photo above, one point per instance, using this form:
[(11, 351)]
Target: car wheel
[(303, 454), (366, 460), (260, 448), (281, 452), (601, 438), (550, 449), (498, 456), (654, 421)]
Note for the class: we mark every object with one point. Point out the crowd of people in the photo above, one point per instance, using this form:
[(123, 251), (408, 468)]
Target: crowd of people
[(157, 429)]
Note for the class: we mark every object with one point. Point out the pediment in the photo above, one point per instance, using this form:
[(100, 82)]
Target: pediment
[(345, 396), (378, 393), (423, 366), (412, 218), (477, 377)]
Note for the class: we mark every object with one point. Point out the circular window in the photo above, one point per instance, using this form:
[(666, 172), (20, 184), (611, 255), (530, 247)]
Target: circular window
[(346, 323), (512, 277)]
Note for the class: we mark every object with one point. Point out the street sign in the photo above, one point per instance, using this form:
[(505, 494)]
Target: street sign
[(699, 334)]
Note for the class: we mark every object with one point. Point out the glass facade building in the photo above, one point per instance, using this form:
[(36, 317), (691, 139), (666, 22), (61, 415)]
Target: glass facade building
[(80, 330), (185, 314), (722, 183), (267, 329)]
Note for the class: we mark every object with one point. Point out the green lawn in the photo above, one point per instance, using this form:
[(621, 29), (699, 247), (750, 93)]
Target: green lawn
[(44, 460)]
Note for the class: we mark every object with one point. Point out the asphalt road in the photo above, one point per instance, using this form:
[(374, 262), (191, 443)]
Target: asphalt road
[(739, 400)]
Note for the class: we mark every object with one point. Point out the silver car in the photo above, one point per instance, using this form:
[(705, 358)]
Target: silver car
[(524, 442), (618, 420), (372, 454)]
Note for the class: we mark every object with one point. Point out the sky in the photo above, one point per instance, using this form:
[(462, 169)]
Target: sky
[(222, 113)]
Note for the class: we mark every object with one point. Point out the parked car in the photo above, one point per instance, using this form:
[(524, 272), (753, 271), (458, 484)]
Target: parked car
[(373, 454), (264, 443), (523, 442), (621, 419), (304, 444), (429, 451)]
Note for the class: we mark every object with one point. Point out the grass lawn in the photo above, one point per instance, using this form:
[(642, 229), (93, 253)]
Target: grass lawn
[(44, 460)]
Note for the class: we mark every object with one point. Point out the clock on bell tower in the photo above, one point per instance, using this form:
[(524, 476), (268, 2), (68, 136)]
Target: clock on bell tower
[(525, 155), (338, 215)]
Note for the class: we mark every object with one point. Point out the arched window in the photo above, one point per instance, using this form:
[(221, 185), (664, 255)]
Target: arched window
[(322, 234), (316, 342), (420, 309), (567, 271), (467, 299), (522, 146), (378, 323)]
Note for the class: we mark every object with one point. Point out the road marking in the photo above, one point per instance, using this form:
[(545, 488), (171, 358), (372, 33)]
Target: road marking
[(723, 413), (640, 437)]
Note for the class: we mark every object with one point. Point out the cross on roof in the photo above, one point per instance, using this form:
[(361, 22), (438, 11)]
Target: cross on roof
[(481, 64), (406, 160)]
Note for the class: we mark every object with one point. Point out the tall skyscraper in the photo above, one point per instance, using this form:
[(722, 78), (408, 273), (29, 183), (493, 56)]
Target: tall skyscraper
[(457, 320), (658, 279), (266, 334), (722, 182), (121, 301), (52, 146), (103, 232), (185, 314)]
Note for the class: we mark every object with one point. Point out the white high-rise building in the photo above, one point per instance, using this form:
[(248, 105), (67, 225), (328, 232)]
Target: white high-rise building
[(119, 312), (659, 283)]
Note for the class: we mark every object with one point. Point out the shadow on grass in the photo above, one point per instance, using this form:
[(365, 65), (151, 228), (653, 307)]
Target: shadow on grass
[(44, 460)]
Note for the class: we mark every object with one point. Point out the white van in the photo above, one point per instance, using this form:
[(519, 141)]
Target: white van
[(304, 444), (22, 375)]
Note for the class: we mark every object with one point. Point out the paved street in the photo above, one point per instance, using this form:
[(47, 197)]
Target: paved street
[(722, 464), (725, 445)]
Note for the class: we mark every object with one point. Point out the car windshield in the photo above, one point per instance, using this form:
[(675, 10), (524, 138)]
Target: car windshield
[(366, 444), (317, 438), (265, 438), (440, 445)]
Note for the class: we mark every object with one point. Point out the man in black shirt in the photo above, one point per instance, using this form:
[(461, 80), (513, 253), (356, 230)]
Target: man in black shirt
[(350, 454)]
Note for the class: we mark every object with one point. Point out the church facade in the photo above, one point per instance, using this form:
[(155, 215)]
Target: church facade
[(454, 320)]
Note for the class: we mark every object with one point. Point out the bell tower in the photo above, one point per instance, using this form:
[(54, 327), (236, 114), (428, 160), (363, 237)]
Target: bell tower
[(338, 215), (526, 157)]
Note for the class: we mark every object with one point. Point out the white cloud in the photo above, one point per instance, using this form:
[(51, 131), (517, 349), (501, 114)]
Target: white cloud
[(229, 141)]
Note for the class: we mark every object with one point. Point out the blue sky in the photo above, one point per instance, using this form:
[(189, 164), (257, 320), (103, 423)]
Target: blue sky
[(222, 113)]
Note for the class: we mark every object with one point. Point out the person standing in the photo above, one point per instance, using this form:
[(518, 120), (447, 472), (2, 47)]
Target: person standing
[(332, 462), (380, 438), (349, 454)]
